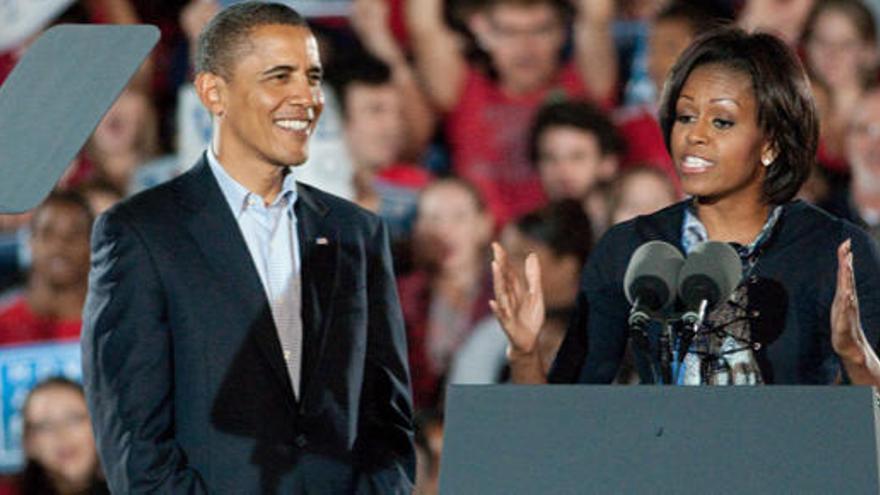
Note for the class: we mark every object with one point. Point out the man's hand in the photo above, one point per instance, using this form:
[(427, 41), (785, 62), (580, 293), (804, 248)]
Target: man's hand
[(195, 16), (369, 19), (594, 49), (785, 18), (595, 11)]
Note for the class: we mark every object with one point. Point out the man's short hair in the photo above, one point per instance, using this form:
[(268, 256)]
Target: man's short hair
[(576, 114), (225, 36), (65, 197), (358, 68)]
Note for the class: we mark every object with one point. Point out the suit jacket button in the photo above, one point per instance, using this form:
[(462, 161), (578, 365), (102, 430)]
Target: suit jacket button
[(301, 441)]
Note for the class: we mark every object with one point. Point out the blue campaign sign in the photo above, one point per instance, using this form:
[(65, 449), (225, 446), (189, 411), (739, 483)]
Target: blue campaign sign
[(22, 367)]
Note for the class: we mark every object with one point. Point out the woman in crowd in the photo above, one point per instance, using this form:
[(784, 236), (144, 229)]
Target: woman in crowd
[(840, 45), (560, 235), (125, 139), (448, 291), (639, 190), (739, 121), (58, 442)]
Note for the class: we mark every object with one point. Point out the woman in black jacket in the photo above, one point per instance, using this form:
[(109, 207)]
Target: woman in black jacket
[(739, 122)]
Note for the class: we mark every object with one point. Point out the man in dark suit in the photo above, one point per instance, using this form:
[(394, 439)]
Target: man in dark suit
[(242, 333)]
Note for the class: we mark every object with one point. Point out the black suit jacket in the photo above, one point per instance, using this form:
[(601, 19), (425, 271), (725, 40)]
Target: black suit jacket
[(182, 365)]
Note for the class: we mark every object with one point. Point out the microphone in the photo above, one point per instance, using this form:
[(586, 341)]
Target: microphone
[(710, 274), (649, 284), (650, 280)]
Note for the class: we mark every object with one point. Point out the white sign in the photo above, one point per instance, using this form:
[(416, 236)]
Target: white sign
[(193, 127), (20, 19)]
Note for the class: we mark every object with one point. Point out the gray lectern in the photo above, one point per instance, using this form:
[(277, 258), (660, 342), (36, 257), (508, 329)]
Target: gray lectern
[(604, 439)]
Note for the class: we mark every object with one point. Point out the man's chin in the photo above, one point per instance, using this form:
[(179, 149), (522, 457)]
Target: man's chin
[(291, 160)]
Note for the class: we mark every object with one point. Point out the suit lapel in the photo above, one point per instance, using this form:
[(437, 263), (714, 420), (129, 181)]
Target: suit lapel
[(319, 253), (216, 232)]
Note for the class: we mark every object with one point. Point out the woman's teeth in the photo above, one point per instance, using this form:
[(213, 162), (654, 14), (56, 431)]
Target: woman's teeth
[(695, 163)]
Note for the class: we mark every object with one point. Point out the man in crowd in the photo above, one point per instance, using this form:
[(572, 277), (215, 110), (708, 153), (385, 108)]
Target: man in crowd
[(488, 107), (50, 306), (375, 132)]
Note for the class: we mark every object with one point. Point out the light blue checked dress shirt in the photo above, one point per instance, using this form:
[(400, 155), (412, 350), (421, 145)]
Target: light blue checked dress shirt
[(694, 232), (270, 234)]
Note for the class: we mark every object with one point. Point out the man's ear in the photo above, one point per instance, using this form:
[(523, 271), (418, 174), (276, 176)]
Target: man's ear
[(211, 89)]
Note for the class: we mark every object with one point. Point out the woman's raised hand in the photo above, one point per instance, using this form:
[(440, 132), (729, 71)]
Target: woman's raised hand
[(519, 307), (847, 336)]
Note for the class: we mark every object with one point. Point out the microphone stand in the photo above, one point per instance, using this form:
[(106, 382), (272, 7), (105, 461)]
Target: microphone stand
[(691, 321), (690, 325), (665, 349), (638, 322)]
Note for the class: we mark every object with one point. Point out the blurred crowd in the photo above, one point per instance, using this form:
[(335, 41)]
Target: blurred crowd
[(460, 122)]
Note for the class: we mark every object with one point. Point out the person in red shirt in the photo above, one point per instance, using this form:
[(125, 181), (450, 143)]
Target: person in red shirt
[(671, 31), (488, 109), (375, 132), (50, 306)]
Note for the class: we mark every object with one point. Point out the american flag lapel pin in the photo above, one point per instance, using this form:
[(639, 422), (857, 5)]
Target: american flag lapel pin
[(322, 241)]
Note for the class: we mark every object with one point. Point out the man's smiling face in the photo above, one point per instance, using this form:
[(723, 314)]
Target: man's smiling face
[(270, 104)]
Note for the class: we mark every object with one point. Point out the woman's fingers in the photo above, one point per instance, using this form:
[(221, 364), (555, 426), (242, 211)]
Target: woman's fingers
[(533, 275), (846, 287), (499, 278)]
